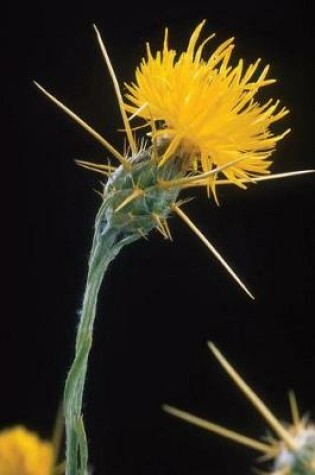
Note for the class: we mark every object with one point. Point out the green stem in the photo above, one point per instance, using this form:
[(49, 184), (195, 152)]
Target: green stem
[(106, 245)]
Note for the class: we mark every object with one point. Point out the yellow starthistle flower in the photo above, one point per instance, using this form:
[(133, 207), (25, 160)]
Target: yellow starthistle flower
[(203, 121), (293, 452), (207, 108), (210, 124), (23, 453)]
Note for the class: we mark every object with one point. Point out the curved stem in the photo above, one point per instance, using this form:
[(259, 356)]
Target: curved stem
[(106, 245)]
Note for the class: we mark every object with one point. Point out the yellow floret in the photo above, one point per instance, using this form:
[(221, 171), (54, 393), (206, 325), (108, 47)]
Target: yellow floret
[(207, 108)]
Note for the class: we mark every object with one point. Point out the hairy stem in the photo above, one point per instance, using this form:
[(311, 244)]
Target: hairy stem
[(107, 243)]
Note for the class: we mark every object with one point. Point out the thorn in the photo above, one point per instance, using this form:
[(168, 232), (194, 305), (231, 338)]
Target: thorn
[(255, 400), (294, 409), (136, 192), (87, 127), (195, 178), (198, 233), (98, 193), (184, 201), (167, 229), (214, 192), (110, 68), (138, 111), (94, 168), (217, 429), (274, 176), (101, 166), (274, 451), (160, 226), (161, 231)]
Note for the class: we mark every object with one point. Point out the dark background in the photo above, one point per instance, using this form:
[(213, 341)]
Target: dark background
[(160, 301)]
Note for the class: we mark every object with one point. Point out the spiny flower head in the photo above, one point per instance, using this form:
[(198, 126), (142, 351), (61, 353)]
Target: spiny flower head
[(207, 108), (302, 460), (23, 453), (292, 451), (204, 120)]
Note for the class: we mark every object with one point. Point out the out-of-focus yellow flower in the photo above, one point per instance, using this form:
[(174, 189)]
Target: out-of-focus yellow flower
[(207, 108), (23, 453)]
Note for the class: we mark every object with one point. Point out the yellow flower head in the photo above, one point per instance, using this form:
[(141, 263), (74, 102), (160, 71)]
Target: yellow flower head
[(204, 120), (23, 453), (207, 108)]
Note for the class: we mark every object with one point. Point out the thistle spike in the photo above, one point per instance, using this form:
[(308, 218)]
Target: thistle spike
[(93, 167), (196, 178), (135, 194), (217, 429), (273, 176), (254, 399), (294, 409), (138, 111), (201, 236), (87, 127), (100, 166), (167, 229), (160, 225), (109, 65)]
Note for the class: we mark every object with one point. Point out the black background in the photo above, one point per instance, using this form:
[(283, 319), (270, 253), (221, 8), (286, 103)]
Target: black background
[(160, 301)]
